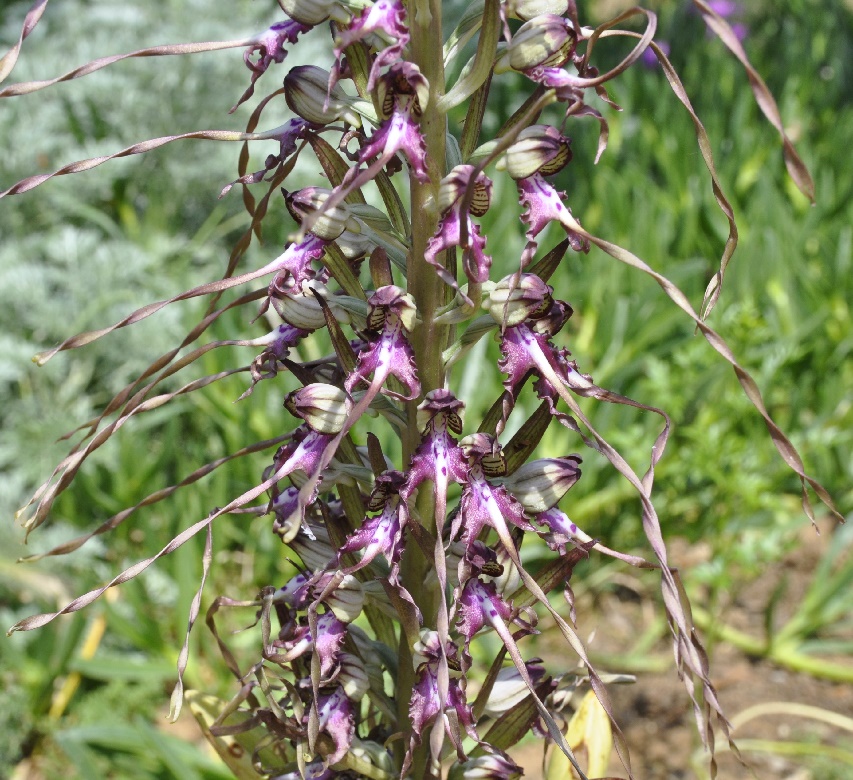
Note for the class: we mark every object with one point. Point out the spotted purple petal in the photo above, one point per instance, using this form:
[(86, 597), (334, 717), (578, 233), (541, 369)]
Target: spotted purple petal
[(382, 21), (337, 719), (480, 501), (270, 48), (544, 205), (295, 263), (380, 535), (399, 133), (480, 605)]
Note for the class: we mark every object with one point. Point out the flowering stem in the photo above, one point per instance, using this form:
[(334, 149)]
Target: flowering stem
[(430, 338)]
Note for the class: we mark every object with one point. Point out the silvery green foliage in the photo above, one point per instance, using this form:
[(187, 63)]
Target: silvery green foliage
[(422, 550)]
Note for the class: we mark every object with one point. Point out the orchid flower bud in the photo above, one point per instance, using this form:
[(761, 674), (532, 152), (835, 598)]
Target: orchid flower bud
[(306, 90), (492, 766), (347, 600), (441, 402), (395, 300), (515, 299), (527, 9), (373, 753), (538, 149), (300, 308), (315, 553), (484, 450), (509, 689), (427, 648), (311, 12), (402, 86), (546, 40), (324, 408), (540, 484), (505, 576), (352, 676), (455, 184), (331, 223)]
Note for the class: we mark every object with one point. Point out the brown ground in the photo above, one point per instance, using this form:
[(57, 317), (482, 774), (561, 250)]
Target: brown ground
[(655, 713)]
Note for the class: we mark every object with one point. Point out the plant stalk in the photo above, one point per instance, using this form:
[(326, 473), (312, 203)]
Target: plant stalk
[(429, 339)]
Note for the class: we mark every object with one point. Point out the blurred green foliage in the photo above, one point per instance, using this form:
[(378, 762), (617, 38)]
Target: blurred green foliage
[(85, 250)]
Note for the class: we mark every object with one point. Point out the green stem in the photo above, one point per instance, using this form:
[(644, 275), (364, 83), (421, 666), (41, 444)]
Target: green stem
[(430, 338)]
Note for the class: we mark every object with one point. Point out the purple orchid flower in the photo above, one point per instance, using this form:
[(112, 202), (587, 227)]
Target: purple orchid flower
[(381, 534), (426, 702), (384, 20), (287, 136), (480, 605), (279, 343), (304, 452), (270, 47), (450, 231), (328, 641), (438, 457), (544, 205), (402, 93), (484, 503), (392, 313), (337, 719)]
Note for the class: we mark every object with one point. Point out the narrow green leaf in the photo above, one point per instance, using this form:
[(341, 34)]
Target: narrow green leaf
[(334, 166), (340, 269), (358, 59), (341, 344), (474, 119), (545, 267), (121, 667), (527, 438), (391, 198), (481, 68), (510, 727)]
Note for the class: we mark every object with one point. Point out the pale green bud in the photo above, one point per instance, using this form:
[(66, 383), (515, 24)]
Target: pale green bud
[(325, 408), (538, 149), (331, 223), (347, 600), (514, 303), (306, 90), (352, 676), (540, 484), (315, 553), (546, 41), (527, 9), (311, 12), (373, 753), (492, 766), (302, 309), (453, 187), (425, 648)]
